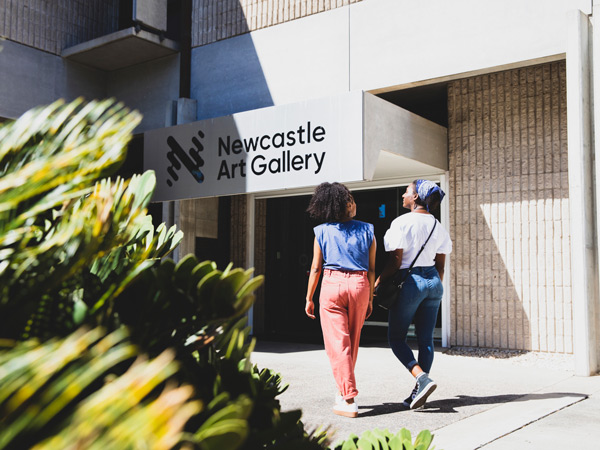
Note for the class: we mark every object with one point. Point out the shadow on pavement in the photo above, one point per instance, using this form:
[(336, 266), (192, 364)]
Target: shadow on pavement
[(450, 405)]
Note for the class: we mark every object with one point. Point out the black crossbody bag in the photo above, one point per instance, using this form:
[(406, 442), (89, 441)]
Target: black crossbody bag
[(387, 292)]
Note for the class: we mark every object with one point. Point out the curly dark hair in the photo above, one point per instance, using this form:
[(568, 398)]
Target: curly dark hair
[(431, 203), (329, 202)]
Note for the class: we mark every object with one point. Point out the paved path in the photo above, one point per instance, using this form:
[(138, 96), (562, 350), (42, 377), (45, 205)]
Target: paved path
[(485, 403)]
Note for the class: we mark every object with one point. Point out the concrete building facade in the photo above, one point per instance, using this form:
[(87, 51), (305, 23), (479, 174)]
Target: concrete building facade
[(510, 83)]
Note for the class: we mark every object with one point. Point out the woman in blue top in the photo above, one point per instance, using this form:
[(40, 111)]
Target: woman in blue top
[(344, 249)]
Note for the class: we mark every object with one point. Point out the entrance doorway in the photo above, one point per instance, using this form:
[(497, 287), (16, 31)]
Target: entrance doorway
[(289, 246)]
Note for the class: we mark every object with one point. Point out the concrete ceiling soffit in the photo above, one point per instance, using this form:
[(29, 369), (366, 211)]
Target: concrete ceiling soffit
[(398, 143), (121, 49)]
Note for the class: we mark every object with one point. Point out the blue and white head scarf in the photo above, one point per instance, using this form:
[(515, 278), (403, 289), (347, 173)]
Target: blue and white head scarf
[(425, 188)]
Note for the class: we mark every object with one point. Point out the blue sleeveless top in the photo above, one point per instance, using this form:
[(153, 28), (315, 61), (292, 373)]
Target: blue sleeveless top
[(345, 245)]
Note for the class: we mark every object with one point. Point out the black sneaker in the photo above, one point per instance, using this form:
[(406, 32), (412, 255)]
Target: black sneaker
[(408, 400), (425, 386)]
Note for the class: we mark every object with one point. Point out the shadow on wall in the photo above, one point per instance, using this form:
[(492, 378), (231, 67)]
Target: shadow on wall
[(23, 87), (510, 210), (227, 76), (219, 66)]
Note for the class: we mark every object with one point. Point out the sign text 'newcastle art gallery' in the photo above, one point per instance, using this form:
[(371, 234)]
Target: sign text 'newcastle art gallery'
[(273, 148)]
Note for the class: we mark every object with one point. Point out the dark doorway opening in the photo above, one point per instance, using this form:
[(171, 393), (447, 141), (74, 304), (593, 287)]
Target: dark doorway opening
[(288, 258), (429, 101), (289, 250)]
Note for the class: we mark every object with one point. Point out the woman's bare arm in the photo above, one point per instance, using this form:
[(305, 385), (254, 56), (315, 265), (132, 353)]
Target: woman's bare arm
[(313, 279)]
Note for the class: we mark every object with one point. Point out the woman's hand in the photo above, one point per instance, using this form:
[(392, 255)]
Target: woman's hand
[(371, 276), (310, 309)]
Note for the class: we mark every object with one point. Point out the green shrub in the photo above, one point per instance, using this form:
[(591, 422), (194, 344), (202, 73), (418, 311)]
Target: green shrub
[(385, 440), (55, 394), (78, 249)]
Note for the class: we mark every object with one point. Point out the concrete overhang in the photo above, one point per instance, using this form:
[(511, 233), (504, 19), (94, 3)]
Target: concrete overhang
[(400, 144), (121, 49)]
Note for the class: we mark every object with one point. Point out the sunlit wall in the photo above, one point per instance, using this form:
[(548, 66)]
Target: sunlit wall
[(509, 210)]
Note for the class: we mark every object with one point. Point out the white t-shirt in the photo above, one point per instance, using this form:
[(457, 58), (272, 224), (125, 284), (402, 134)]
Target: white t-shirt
[(409, 231)]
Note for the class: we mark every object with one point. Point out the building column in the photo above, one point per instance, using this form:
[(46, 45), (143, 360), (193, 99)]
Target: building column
[(184, 110), (582, 193), (595, 106), (250, 245), (447, 299)]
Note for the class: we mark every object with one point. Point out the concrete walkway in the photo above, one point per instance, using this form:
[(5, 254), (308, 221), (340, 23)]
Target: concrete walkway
[(525, 402)]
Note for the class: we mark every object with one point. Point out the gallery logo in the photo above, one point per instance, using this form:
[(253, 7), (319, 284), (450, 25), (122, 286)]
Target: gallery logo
[(192, 161)]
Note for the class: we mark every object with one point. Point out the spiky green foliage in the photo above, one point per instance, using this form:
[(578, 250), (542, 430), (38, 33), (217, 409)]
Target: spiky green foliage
[(60, 394), (385, 440), (76, 248), (182, 305), (244, 392), (198, 310), (69, 243)]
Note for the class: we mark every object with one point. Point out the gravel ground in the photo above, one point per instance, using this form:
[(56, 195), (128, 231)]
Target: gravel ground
[(559, 361)]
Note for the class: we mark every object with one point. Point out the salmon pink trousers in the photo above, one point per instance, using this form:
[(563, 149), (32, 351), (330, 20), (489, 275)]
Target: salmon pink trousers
[(343, 306)]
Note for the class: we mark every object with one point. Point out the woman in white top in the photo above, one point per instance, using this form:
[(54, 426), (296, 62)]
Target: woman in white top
[(421, 295)]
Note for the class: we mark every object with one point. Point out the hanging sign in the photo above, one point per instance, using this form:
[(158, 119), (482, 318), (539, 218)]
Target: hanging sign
[(279, 147)]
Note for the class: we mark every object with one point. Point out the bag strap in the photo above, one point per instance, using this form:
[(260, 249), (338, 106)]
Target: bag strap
[(420, 251)]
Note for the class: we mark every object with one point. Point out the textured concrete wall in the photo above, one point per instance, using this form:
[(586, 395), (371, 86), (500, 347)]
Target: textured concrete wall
[(53, 25), (509, 203), (147, 87), (214, 20), (394, 43), (371, 45), (30, 77), (32, 74), (227, 78)]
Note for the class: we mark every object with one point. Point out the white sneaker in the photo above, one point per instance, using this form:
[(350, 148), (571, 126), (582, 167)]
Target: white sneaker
[(339, 399), (346, 409)]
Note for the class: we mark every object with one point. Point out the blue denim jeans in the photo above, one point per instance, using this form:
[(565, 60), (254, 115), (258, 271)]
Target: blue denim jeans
[(419, 299)]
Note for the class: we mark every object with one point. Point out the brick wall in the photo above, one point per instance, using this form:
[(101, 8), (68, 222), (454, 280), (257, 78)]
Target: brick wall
[(238, 230), (53, 25), (238, 233), (510, 285), (198, 217), (213, 20)]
